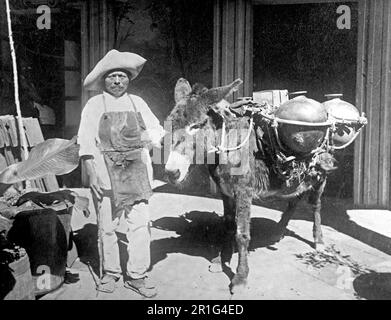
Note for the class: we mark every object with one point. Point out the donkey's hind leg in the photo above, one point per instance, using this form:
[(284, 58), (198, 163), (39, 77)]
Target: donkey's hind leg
[(286, 217), (315, 200), (242, 236)]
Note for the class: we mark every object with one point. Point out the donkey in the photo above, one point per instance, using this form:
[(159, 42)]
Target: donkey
[(242, 175)]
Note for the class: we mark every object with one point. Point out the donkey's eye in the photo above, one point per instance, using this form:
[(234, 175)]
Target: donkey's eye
[(194, 126), (179, 141)]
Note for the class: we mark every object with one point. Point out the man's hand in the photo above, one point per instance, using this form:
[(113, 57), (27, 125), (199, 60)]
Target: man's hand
[(94, 181)]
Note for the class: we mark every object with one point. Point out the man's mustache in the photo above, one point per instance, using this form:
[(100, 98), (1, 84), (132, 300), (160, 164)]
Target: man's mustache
[(117, 86)]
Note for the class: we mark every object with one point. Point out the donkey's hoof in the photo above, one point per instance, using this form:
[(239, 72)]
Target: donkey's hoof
[(238, 285), (215, 267), (321, 247), (277, 237), (278, 234)]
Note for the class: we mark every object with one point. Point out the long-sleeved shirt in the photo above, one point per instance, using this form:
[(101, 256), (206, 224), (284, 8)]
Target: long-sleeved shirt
[(88, 135)]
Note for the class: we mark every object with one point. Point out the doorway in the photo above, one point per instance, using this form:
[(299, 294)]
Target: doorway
[(299, 47), (48, 63)]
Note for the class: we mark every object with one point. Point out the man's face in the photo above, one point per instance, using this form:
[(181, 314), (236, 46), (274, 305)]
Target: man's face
[(116, 83)]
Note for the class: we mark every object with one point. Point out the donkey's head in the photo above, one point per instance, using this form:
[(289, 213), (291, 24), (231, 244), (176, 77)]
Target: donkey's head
[(195, 107)]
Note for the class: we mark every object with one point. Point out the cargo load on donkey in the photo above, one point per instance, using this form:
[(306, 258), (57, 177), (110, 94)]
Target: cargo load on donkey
[(301, 132)]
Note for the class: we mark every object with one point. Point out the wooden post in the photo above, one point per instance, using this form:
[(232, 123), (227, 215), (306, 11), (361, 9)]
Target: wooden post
[(233, 44), (373, 150), (233, 48)]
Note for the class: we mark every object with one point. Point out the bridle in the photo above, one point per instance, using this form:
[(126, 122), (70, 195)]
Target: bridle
[(221, 147)]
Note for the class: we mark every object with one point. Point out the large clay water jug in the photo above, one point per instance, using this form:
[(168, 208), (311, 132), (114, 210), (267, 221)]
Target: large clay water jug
[(341, 110), (299, 139), (44, 233)]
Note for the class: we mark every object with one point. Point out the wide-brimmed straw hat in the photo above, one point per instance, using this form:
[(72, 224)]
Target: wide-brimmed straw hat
[(114, 60)]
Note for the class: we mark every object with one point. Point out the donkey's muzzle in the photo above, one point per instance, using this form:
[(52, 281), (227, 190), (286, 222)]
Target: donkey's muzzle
[(173, 175)]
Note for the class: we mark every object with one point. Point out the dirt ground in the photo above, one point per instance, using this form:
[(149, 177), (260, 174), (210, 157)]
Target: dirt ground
[(355, 265)]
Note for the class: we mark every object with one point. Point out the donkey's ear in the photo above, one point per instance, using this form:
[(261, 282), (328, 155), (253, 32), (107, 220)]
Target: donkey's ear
[(215, 95), (182, 89), (199, 88)]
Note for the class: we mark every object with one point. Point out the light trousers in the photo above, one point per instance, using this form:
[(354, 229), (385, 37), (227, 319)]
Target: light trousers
[(136, 226)]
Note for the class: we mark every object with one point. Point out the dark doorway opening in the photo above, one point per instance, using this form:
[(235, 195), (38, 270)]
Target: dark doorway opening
[(42, 55), (299, 47)]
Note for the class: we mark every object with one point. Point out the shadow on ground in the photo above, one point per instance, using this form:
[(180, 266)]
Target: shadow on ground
[(334, 214), (373, 286), (86, 243), (200, 234)]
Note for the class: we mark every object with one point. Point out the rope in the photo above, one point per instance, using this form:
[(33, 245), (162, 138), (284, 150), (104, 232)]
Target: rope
[(348, 143), (221, 147), (296, 122), (22, 134)]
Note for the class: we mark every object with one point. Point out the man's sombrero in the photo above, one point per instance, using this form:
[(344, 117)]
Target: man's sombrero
[(127, 61)]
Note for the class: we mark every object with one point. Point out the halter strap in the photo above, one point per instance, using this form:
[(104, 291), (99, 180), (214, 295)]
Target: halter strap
[(221, 148)]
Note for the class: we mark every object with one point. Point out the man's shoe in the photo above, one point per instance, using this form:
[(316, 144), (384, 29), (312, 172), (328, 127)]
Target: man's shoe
[(107, 283), (142, 286)]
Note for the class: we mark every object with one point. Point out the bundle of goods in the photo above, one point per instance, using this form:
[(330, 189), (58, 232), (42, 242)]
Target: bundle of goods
[(298, 131)]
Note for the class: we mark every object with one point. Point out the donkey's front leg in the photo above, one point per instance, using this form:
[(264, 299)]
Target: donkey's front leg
[(315, 200), (228, 236), (242, 236)]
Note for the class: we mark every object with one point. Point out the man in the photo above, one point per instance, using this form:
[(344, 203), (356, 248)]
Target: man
[(115, 132)]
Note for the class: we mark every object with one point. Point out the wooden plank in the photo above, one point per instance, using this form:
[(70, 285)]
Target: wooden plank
[(104, 32), (9, 156), (26, 125), (84, 48), (4, 130), (373, 108), (3, 161), (11, 127), (228, 43), (217, 29), (33, 131), (240, 21), (224, 39), (93, 33), (51, 183), (34, 185), (110, 25), (360, 150), (2, 135), (385, 146), (368, 134), (248, 60)]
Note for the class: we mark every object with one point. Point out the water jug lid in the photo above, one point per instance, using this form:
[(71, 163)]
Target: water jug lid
[(330, 96), (244, 98), (297, 93)]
